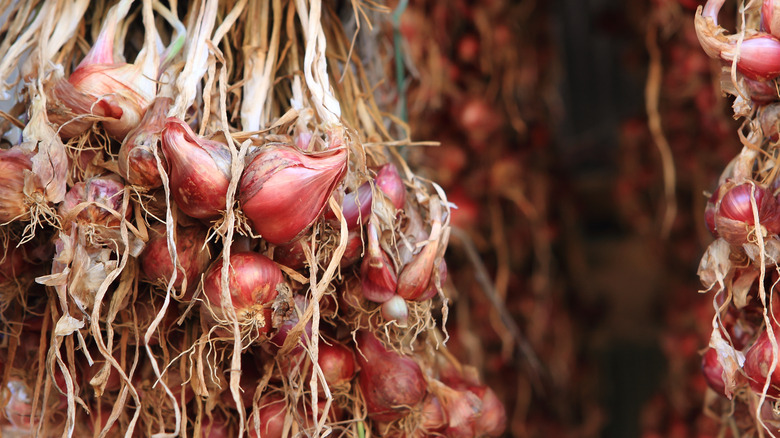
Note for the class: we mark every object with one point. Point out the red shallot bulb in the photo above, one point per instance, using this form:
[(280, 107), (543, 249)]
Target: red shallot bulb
[(193, 256), (13, 164), (85, 202), (492, 420), (137, 163), (354, 251), (390, 183), (283, 191), (337, 363), (734, 218), (395, 309), (432, 291), (356, 206), (479, 119), (291, 254), (199, 170), (377, 271), (770, 17), (391, 384), (757, 363), (272, 412), (761, 92), (415, 279), (759, 55), (118, 93), (252, 280), (713, 371)]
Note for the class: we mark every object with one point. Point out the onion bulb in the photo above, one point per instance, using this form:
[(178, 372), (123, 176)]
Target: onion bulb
[(392, 384), (283, 191), (199, 170), (193, 257), (252, 282)]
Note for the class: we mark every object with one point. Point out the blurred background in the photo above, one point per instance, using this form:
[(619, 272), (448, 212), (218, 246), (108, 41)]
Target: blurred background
[(578, 139)]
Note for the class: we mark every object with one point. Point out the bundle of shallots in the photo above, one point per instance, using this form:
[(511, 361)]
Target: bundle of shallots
[(739, 269), (207, 230)]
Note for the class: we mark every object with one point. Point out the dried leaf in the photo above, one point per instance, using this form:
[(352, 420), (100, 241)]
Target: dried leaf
[(715, 264)]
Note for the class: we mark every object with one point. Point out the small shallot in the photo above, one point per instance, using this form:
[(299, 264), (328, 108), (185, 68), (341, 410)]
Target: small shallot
[(734, 218), (199, 170), (392, 384), (192, 254), (252, 280), (283, 191), (377, 271), (337, 363), (396, 309), (137, 163), (390, 183)]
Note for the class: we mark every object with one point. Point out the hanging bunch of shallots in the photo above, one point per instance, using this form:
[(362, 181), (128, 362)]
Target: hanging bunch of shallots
[(207, 231), (740, 268)]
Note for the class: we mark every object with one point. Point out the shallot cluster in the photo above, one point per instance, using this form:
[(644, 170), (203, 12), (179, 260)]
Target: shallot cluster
[(190, 250)]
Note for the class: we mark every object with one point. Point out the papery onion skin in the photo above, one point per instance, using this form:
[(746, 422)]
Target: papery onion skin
[(199, 170), (192, 254), (391, 384), (13, 164), (282, 191), (116, 94), (97, 192), (463, 409), (278, 339), (252, 281), (434, 418)]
